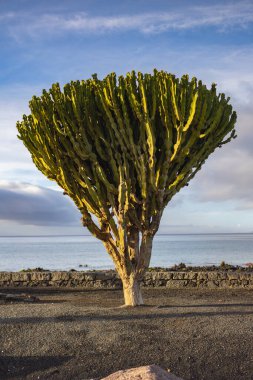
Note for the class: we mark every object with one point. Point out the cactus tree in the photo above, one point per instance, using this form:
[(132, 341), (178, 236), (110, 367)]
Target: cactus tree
[(121, 148)]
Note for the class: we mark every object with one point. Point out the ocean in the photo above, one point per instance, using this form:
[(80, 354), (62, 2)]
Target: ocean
[(86, 252)]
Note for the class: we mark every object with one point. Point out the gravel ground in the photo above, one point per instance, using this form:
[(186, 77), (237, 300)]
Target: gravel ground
[(84, 334)]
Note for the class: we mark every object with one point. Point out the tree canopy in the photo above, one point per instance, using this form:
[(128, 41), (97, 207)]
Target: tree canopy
[(122, 147)]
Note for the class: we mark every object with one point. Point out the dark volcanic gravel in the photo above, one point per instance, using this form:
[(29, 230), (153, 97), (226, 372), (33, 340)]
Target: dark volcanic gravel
[(73, 334)]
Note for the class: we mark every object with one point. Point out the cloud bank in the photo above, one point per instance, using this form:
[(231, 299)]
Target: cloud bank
[(33, 205)]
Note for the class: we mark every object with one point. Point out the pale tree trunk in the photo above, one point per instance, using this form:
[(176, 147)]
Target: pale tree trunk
[(141, 256), (132, 292), (131, 262)]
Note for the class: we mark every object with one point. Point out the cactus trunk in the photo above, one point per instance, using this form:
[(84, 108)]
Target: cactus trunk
[(131, 262), (132, 292)]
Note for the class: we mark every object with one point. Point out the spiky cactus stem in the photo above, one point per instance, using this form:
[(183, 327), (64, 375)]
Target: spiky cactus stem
[(121, 148)]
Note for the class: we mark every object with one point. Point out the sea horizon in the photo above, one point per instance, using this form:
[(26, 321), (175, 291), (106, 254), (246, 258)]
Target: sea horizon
[(157, 234), (66, 252)]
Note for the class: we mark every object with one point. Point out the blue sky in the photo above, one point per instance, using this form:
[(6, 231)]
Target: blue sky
[(48, 41)]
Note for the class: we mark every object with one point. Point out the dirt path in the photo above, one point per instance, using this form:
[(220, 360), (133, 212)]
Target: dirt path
[(71, 334)]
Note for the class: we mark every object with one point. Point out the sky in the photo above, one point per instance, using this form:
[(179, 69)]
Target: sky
[(58, 41)]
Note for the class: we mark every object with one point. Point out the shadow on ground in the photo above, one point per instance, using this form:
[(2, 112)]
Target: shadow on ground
[(19, 367)]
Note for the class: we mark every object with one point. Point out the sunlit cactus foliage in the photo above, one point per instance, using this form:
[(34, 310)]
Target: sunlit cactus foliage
[(121, 147)]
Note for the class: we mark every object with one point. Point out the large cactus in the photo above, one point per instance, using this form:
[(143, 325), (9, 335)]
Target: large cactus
[(121, 148)]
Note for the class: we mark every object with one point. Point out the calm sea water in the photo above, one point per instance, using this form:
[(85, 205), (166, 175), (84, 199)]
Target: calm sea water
[(69, 252)]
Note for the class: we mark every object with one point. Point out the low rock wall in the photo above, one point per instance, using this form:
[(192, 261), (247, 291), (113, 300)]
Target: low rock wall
[(109, 279)]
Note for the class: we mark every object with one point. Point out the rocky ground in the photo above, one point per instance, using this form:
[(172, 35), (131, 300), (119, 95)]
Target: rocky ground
[(84, 334)]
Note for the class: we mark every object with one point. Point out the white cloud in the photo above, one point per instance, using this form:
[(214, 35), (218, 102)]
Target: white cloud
[(226, 176), (228, 173), (222, 16), (15, 160)]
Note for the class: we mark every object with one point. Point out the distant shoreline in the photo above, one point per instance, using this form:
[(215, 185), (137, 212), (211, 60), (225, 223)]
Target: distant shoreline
[(161, 234), (248, 267)]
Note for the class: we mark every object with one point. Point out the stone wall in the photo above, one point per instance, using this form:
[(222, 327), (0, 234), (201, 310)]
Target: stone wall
[(109, 279)]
